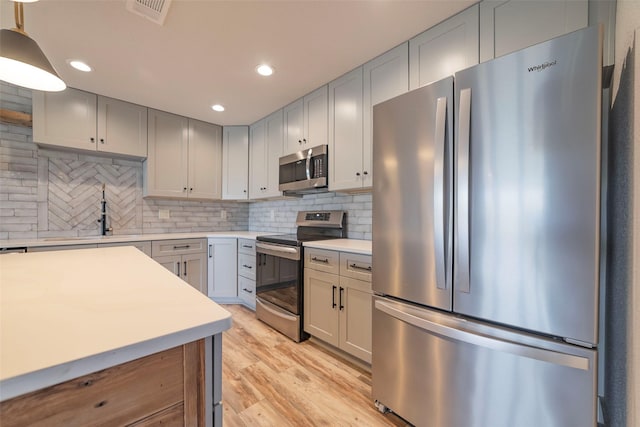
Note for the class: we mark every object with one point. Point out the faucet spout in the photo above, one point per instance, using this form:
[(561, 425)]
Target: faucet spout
[(103, 215)]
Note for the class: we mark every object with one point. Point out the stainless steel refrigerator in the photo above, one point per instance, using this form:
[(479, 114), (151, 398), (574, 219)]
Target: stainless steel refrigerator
[(486, 242)]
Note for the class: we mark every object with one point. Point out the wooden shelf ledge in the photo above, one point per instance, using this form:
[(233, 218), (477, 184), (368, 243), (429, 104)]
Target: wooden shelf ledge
[(15, 118)]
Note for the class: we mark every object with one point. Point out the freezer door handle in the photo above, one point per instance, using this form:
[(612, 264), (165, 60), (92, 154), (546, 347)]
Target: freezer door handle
[(438, 191), (557, 358), (461, 263)]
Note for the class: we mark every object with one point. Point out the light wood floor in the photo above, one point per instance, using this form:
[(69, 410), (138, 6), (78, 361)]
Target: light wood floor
[(268, 380)]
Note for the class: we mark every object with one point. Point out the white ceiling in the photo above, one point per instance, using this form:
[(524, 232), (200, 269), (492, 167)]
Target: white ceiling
[(206, 51)]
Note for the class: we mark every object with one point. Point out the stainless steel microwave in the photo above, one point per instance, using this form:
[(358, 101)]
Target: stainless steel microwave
[(305, 171)]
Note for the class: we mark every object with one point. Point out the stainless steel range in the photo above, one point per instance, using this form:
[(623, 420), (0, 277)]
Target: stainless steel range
[(279, 281)]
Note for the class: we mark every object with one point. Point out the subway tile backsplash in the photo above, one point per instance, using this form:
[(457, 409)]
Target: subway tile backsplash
[(55, 193)]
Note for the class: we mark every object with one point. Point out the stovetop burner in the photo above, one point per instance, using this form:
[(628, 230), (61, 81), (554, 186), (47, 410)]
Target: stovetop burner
[(312, 225)]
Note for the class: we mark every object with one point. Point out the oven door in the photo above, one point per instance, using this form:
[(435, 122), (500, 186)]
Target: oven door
[(279, 275)]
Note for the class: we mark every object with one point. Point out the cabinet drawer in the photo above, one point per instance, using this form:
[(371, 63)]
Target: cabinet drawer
[(247, 246), (356, 266), (247, 291), (322, 260), (174, 247), (247, 266)]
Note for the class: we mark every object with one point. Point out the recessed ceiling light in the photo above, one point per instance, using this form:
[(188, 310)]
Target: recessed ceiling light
[(264, 70), (217, 107), (79, 65)]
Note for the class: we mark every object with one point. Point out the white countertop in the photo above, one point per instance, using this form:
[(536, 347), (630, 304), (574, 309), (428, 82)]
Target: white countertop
[(66, 314), (343, 245), (90, 240)]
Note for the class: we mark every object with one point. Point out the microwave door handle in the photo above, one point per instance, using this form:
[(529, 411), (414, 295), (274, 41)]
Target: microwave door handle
[(309, 153), (438, 191)]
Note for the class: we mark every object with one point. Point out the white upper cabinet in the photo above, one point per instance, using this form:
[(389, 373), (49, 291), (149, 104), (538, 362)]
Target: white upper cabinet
[(165, 170), (266, 141), (185, 158), (305, 122), (205, 160), (122, 127), (235, 162), (86, 121), (442, 50), (507, 26), (346, 168), (384, 77)]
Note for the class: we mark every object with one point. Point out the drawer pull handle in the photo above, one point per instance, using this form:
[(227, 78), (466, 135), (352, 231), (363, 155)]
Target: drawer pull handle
[(333, 296), (326, 260), (182, 247), (359, 267), (247, 290), (247, 266), (247, 246)]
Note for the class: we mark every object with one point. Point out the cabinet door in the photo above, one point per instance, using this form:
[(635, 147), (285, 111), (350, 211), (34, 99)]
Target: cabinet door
[(345, 142), (257, 160), (222, 272), (167, 162), (321, 305), (122, 127), (194, 271), (355, 317), (315, 118), (274, 141), (444, 49), (235, 163), (507, 26), (293, 125), (205, 160), (384, 77), (171, 263), (65, 119)]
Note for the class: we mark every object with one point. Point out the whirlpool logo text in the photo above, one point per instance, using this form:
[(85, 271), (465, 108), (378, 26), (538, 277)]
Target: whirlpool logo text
[(543, 66)]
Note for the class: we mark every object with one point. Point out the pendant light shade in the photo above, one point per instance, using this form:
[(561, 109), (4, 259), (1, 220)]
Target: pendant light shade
[(23, 63)]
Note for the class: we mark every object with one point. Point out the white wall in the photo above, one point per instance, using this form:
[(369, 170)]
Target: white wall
[(623, 276)]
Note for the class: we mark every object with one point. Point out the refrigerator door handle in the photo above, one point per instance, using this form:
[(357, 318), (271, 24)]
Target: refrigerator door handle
[(462, 199), (438, 191), (485, 341)]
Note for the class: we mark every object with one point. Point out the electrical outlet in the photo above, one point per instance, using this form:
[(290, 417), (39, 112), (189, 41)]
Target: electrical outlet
[(164, 214), (223, 214), (272, 214)]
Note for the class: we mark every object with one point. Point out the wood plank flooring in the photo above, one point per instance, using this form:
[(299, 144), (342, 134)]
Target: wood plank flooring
[(269, 380)]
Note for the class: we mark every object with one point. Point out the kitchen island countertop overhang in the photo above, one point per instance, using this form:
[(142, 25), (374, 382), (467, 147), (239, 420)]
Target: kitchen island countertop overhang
[(65, 314)]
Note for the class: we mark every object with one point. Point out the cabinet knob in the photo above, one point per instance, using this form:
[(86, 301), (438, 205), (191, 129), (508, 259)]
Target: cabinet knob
[(191, 189), (101, 140), (184, 188), (244, 191), (365, 173), (357, 173), (304, 140), (92, 139), (300, 141)]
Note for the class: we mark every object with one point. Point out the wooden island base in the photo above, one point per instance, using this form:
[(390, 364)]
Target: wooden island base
[(163, 388)]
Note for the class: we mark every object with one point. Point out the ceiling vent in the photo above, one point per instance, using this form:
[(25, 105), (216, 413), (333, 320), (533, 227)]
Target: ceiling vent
[(153, 10)]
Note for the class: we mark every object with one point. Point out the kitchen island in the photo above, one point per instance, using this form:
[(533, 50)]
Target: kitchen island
[(107, 336)]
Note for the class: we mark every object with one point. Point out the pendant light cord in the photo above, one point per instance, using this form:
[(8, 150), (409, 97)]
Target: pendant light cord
[(19, 14)]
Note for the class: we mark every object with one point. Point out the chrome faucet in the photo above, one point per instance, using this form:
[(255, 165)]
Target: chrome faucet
[(103, 215)]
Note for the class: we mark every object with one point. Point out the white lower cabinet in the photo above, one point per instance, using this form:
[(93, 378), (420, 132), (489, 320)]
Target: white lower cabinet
[(247, 272), (187, 259), (337, 307), (222, 256)]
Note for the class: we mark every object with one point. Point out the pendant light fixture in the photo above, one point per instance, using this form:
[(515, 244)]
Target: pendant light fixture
[(22, 62)]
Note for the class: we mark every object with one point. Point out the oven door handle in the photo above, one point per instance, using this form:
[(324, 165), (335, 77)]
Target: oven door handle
[(291, 253)]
